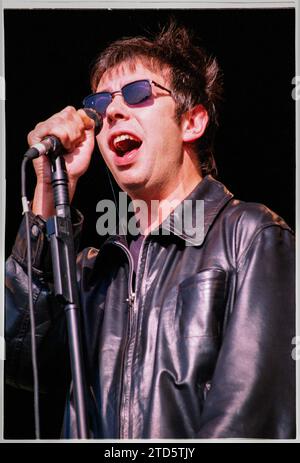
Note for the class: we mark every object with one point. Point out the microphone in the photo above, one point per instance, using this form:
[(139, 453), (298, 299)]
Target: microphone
[(52, 144)]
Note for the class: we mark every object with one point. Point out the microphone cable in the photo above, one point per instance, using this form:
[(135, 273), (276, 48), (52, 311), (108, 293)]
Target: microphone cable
[(30, 301)]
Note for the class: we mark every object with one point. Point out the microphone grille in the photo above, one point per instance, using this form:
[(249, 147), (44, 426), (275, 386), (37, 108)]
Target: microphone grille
[(97, 118)]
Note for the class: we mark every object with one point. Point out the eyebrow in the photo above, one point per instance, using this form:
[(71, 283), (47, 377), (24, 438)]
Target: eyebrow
[(111, 91), (100, 91), (124, 85)]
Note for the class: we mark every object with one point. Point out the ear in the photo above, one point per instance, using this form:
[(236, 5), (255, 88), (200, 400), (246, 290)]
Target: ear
[(194, 123)]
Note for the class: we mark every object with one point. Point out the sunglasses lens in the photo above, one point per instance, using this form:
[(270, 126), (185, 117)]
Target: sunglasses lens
[(136, 92), (133, 93), (99, 102)]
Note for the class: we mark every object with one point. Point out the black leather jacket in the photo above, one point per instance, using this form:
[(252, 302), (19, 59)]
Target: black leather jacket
[(203, 350)]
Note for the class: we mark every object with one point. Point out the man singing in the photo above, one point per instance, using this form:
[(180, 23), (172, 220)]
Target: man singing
[(187, 334)]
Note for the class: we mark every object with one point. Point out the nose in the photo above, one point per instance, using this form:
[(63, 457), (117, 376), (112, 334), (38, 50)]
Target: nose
[(117, 109)]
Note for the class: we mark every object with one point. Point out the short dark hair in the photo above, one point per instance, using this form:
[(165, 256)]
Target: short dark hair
[(194, 76)]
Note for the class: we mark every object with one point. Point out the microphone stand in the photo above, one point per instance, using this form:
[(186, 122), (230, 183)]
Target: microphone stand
[(60, 234)]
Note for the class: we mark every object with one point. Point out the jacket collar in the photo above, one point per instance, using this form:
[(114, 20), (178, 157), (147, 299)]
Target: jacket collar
[(214, 196), (206, 200)]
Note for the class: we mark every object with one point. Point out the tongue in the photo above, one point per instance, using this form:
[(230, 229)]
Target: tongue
[(124, 146)]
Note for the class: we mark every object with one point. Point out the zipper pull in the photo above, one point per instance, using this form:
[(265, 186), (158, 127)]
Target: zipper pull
[(131, 300)]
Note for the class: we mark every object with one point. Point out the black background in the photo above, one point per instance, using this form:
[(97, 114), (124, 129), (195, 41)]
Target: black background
[(48, 54)]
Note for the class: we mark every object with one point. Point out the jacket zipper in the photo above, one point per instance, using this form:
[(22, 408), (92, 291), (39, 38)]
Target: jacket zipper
[(124, 401), (123, 429)]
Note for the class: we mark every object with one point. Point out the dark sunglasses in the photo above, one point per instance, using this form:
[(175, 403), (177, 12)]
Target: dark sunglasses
[(133, 93)]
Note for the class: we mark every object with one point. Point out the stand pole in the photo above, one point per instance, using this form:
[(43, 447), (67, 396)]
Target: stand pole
[(60, 234)]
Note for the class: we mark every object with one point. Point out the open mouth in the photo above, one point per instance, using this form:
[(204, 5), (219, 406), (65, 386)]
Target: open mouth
[(125, 143)]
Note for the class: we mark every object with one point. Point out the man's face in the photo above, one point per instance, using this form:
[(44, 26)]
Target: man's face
[(152, 168)]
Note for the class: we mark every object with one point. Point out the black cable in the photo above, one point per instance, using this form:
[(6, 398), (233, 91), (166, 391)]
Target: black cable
[(30, 302)]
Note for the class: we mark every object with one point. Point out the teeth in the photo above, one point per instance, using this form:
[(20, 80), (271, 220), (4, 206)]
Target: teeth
[(122, 137)]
